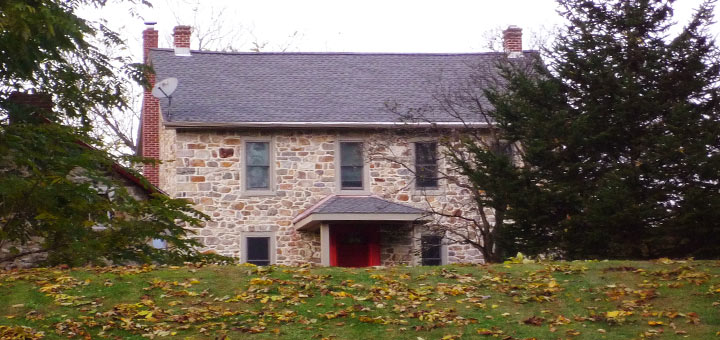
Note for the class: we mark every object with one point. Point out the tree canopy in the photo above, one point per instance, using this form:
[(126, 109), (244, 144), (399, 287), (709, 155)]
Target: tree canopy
[(619, 134), (59, 189)]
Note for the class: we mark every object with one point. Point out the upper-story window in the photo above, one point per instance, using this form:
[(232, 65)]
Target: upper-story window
[(351, 165), (426, 168), (257, 165)]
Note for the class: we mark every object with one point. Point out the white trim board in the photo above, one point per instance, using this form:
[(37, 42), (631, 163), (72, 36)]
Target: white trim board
[(312, 221)]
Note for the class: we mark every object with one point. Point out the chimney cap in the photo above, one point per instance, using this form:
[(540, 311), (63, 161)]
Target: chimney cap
[(150, 23)]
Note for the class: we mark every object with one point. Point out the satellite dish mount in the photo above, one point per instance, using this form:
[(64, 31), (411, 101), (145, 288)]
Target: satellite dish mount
[(165, 89)]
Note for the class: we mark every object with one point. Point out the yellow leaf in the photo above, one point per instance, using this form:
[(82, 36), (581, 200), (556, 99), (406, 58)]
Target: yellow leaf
[(613, 314), (260, 281)]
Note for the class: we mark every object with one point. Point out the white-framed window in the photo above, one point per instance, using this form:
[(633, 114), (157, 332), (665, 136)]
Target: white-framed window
[(257, 167), (258, 248), (351, 166), (352, 176), (426, 165)]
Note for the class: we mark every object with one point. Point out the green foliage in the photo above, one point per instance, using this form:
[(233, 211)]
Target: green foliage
[(45, 46), (55, 188), (58, 187), (620, 149)]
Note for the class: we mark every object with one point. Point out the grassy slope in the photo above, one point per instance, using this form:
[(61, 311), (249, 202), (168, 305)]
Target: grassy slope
[(577, 300)]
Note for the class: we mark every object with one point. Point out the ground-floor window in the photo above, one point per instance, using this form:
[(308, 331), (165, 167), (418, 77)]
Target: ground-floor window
[(431, 250), (259, 248)]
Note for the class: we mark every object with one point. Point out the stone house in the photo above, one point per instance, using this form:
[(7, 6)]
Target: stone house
[(276, 148)]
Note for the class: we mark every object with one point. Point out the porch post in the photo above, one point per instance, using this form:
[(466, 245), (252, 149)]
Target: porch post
[(325, 244), (415, 234)]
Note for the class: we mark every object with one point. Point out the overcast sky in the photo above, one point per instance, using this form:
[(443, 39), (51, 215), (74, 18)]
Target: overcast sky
[(347, 26)]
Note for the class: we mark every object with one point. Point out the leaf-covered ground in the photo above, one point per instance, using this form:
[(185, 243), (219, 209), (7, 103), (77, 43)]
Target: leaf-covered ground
[(556, 300)]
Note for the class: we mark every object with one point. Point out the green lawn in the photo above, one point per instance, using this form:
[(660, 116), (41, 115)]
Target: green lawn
[(556, 300)]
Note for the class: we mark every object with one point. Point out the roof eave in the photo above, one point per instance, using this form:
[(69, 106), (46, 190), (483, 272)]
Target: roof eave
[(447, 125), (312, 221)]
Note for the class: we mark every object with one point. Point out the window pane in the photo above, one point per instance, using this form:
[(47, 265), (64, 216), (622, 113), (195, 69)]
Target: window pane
[(258, 177), (258, 250), (431, 248), (258, 153), (502, 148), (426, 176), (351, 165), (351, 177), (351, 154), (426, 165), (425, 153)]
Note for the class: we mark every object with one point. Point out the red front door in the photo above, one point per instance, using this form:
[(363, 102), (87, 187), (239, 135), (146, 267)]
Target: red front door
[(354, 246)]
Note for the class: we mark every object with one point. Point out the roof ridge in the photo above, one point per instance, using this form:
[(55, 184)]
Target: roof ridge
[(346, 53)]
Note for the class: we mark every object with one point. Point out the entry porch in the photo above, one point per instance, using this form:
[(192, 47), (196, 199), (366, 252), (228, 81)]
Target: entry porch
[(362, 231)]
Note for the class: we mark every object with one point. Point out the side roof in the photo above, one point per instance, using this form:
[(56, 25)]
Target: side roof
[(217, 88)]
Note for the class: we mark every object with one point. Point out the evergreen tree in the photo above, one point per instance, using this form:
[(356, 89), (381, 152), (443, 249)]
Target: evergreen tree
[(619, 135), (58, 188)]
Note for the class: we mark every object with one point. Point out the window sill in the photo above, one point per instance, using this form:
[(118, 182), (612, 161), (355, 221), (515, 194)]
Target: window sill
[(353, 191), (254, 193), (429, 191)]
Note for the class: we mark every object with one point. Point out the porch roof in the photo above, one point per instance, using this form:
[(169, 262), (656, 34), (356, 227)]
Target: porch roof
[(355, 208)]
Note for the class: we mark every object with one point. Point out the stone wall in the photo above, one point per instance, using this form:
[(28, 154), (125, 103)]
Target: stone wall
[(8, 249), (206, 167), (397, 246)]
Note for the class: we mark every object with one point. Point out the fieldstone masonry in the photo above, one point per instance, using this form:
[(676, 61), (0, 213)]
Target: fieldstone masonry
[(396, 245), (206, 167)]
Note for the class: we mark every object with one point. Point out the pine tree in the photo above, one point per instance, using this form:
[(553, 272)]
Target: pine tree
[(619, 134)]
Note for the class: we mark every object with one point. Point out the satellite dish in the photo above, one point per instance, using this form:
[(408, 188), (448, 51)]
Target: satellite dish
[(165, 88)]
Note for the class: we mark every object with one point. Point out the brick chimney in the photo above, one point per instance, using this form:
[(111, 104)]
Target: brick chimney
[(512, 41), (38, 105), (150, 120), (181, 35)]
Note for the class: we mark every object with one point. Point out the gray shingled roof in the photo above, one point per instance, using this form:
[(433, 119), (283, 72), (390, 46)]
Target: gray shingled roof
[(308, 87), (362, 205)]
